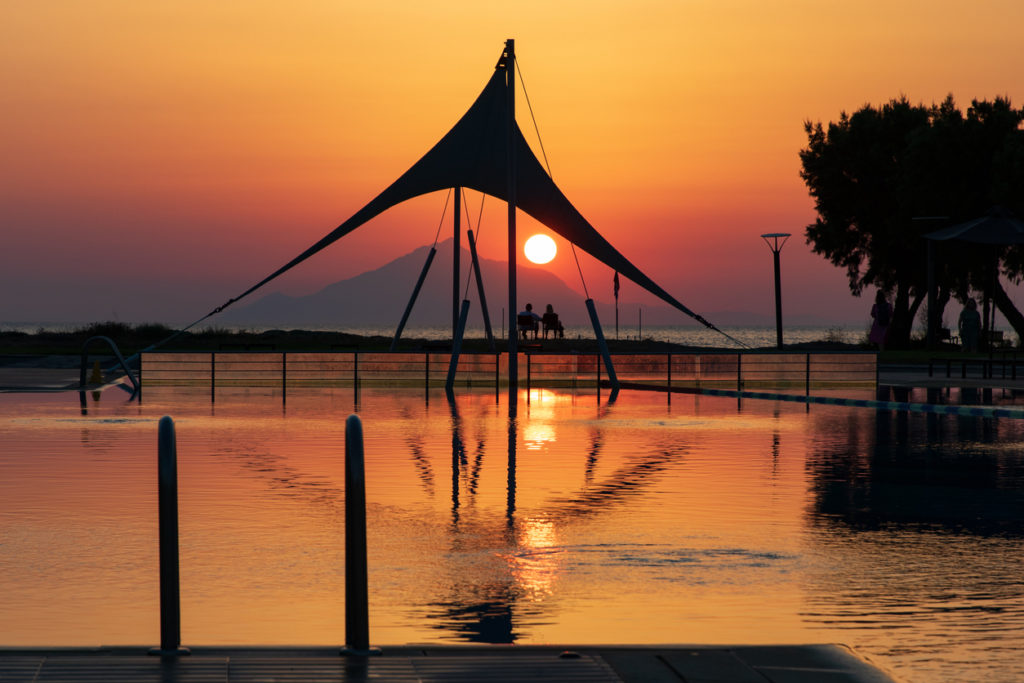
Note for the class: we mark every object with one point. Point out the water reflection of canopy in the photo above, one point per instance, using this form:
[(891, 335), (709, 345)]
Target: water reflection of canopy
[(474, 154)]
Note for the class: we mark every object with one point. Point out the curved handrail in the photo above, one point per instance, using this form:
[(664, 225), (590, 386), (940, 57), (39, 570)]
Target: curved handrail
[(120, 360)]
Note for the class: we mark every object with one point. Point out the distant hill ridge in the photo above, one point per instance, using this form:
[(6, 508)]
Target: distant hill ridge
[(379, 297)]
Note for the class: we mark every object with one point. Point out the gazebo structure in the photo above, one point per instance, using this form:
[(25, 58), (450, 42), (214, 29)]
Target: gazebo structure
[(998, 227), (486, 151)]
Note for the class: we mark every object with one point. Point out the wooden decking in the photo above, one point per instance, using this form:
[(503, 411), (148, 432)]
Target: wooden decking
[(489, 664)]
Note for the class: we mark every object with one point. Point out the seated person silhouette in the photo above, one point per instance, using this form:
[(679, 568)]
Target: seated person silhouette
[(551, 322), (528, 321)]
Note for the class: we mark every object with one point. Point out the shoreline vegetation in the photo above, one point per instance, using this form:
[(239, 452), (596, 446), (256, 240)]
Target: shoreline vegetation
[(131, 339), (63, 348)]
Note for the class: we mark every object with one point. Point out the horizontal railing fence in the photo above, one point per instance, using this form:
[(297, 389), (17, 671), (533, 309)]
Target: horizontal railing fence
[(345, 369), (1004, 361)]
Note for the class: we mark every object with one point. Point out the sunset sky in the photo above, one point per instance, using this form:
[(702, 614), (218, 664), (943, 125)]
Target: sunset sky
[(159, 158)]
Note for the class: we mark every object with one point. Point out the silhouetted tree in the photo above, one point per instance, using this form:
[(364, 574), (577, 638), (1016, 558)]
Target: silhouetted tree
[(873, 173)]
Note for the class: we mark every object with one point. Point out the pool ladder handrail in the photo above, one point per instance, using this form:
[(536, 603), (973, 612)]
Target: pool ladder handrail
[(120, 359), (357, 621)]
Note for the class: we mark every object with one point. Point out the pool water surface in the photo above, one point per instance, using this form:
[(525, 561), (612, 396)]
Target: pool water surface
[(692, 520)]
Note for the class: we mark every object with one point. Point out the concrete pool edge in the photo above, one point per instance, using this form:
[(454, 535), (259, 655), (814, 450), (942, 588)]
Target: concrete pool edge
[(628, 663)]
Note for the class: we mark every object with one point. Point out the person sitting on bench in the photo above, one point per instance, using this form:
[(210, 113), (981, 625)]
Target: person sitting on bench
[(551, 322), (528, 321)]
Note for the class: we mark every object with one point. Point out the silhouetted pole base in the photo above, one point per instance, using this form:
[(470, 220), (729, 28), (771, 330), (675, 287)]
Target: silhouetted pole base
[(180, 652), (453, 363), (613, 379), (352, 652)]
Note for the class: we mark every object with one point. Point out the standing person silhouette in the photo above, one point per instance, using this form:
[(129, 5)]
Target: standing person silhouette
[(881, 315), (969, 325)]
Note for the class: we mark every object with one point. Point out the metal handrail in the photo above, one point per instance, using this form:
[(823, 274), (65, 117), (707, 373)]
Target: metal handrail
[(120, 359), (167, 501), (357, 622)]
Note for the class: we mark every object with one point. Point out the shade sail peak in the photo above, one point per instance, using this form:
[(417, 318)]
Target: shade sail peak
[(475, 154)]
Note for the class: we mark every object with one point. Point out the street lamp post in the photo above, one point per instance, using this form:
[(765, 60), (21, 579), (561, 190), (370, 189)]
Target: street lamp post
[(772, 240)]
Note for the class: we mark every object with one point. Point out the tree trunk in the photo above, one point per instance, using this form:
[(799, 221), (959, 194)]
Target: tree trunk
[(1006, 307), (915, 306), (904, 311), (941, 302)]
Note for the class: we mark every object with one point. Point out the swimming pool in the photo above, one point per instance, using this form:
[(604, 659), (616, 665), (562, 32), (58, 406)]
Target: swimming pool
[(695, 520)]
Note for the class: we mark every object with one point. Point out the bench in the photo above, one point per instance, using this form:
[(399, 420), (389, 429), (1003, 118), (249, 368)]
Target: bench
[(526, 323)]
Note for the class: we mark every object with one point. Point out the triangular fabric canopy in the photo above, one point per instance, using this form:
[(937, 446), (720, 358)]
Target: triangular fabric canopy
[(474, 154)]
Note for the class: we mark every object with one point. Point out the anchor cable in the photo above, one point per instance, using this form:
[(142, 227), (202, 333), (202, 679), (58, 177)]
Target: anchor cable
[(220, 308), (583, 280), (544, 154), (443, 212)]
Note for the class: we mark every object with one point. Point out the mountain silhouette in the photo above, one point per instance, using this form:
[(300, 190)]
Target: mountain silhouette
[(379, 297)]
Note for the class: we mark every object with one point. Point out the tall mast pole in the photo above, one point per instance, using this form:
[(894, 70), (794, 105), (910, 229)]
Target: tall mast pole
[(456, 261), (513, 329)]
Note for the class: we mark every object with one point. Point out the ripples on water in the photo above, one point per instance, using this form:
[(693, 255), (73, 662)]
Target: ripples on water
[(703, 520)]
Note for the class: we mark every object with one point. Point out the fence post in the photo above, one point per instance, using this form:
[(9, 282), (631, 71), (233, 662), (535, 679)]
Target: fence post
[(167, 502), (213, 377), (807, 376), (357, 619), (529, 377)]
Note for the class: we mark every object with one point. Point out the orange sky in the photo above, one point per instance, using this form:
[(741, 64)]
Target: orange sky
[(159, 158)]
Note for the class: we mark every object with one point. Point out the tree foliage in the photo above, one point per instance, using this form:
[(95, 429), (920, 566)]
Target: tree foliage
[(877, 175)]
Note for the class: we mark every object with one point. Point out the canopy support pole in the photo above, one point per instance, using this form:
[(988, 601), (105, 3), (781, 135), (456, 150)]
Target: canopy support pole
[(513, 328), (480, 289), (453, 364), (456, 259), (412, 299), (613, 379)]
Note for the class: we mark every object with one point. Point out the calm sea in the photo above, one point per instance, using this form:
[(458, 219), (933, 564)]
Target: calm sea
[(755, 337), (692, 520)]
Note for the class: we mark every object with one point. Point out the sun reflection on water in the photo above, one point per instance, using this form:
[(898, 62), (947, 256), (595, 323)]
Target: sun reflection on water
[(535, 565)]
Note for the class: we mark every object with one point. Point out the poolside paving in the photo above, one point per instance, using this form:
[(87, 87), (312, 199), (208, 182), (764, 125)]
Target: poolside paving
[(440, 664)]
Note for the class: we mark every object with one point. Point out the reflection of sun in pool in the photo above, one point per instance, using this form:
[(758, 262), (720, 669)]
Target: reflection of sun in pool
[(540, 249)]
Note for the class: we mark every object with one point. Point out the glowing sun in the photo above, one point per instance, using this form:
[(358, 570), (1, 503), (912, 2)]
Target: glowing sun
[(540, 249)]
